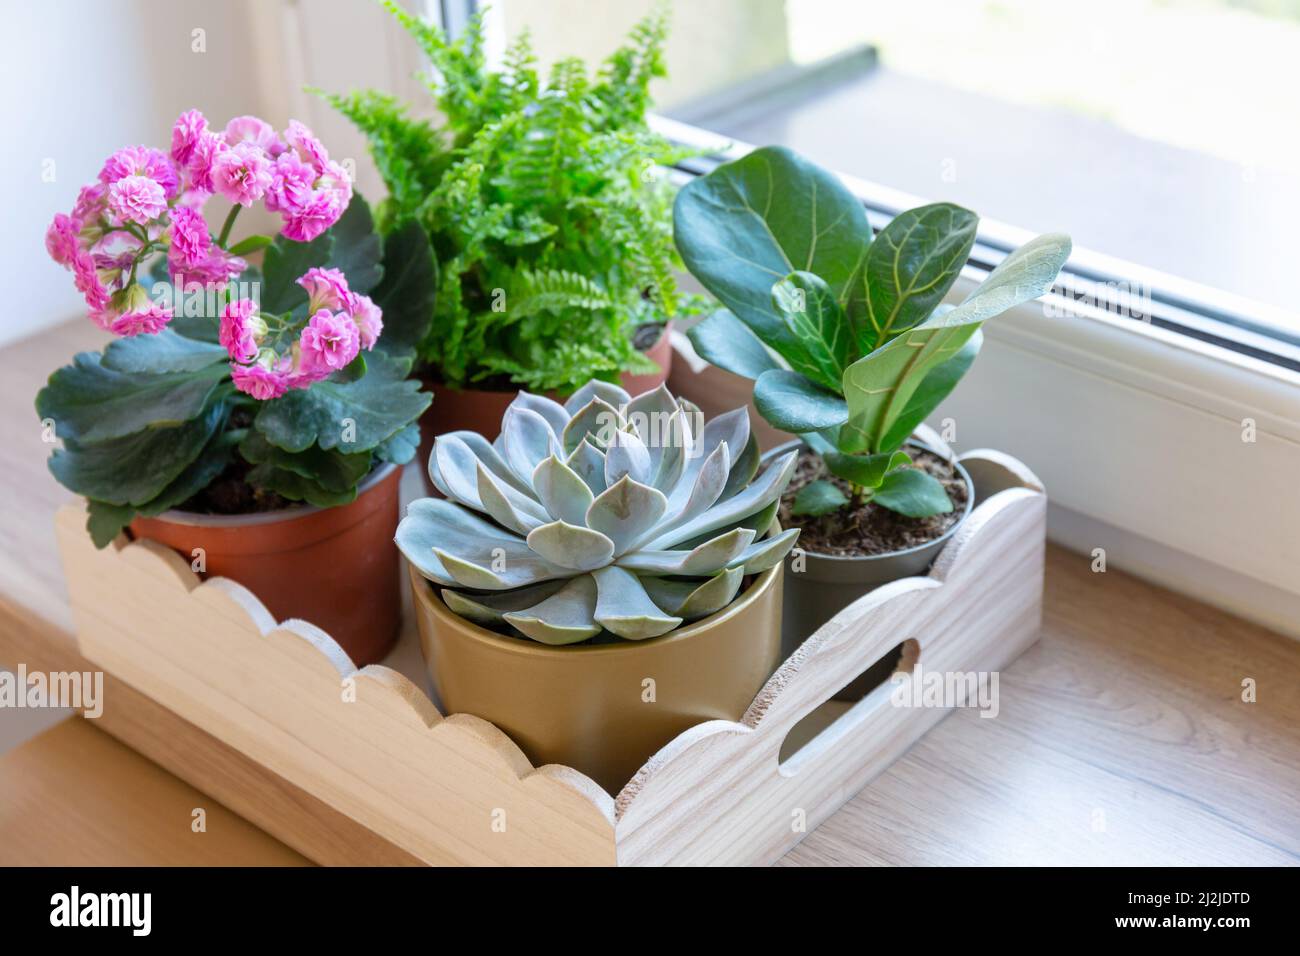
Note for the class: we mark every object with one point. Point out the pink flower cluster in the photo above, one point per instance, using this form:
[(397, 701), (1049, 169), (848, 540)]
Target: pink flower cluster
[(146, 201), (342, 323), (248, 163)]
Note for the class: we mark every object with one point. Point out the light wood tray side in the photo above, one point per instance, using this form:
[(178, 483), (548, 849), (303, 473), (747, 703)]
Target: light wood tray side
[(457, 790), (449, 790), (718, 794)]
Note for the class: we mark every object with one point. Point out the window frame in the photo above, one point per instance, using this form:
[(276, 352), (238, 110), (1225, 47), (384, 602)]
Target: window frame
[(1134, 426)]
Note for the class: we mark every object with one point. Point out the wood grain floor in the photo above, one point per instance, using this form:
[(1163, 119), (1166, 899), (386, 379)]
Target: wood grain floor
[(1122, 737)]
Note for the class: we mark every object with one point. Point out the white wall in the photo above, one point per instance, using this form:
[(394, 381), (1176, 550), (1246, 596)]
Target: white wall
[(81, 79)]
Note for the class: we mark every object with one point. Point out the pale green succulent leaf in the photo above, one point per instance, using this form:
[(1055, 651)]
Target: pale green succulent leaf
[(566, 617), (767, 553), (765, 489), (605, 391), (571, 546), (526, 439), (707, 558), (691, 600), (624, 608), (626, 455), (625, 511), (595, 422), (588, 464), (565, 495), (490, 609), (550, 410), (509, 508)]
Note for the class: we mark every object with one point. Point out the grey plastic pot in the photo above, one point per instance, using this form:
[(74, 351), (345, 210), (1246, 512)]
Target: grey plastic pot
[(827, 584)]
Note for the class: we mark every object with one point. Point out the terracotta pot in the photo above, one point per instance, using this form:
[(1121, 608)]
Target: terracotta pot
[(582, 705), (480, 410), (829, 583), (660, 353), (337, 568)]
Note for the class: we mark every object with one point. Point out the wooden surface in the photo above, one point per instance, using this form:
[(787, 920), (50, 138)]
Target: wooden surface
[(75, 796), (1122, 736)]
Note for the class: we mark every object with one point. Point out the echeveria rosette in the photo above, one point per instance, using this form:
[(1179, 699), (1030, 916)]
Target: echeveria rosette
[(606, 513), (844, 335)]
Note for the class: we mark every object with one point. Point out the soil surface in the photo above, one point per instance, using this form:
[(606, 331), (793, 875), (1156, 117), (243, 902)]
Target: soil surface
[(230, 494), (867, 529)]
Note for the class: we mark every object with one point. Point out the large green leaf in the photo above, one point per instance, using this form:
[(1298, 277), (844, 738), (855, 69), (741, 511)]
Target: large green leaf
[(333, 470), (750, 223), (818, 498), (726, 342), (407, 292), (90, 403), (355, 250), (105, 521), (880, 386), (401, 447), (824, 343), (934, 388), (165, 352), (296, 487), (788, 401), (865, 471), (913, 493), (353, 416), (908, 270), (135, 469)]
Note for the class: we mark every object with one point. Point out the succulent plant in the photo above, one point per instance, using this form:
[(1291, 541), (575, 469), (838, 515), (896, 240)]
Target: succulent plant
[(606, 513)]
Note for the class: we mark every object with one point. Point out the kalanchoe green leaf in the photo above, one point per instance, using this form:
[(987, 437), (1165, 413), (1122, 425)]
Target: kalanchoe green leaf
[(90, 402), (353, 417), (598, 522), (135, 469), (164, 352)]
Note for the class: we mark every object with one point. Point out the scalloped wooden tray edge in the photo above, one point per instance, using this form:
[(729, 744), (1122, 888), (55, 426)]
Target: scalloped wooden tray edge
[(455, 789)]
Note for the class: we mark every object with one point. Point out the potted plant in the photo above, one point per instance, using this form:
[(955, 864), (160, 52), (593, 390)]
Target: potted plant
[(250, 418), (604, 576), (850, 347), (551, 228)]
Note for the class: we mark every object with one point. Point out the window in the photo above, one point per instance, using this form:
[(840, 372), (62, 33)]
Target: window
[(1159, 133)]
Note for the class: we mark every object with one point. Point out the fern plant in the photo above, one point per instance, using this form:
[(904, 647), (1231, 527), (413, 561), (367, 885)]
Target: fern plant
[(541, 200)]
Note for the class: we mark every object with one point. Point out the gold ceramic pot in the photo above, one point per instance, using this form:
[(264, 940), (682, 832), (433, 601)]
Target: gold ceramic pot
[(592, 707)]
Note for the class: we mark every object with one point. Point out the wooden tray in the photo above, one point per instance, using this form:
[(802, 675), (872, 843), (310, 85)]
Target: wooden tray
[(367, 749)]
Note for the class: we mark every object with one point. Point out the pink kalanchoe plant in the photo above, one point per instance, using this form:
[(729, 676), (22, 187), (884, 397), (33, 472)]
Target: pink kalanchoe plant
[(249, 380), (342, 324), (148, 202)]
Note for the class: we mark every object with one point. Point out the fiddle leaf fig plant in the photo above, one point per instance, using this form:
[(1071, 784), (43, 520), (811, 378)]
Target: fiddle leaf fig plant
[(845, 336), (606, 513)]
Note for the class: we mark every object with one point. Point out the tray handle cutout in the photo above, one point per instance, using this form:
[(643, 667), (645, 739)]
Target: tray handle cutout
[(864, 694)]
